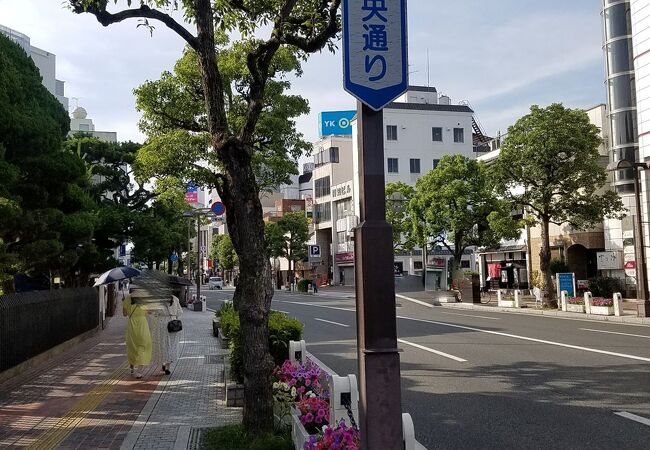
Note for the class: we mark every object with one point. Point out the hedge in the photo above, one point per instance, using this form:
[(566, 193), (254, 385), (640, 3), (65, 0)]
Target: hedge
[(303, 285), (282, 329)]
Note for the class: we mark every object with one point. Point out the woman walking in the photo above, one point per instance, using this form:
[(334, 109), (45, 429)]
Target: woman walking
[(138, 337), (166, 340)]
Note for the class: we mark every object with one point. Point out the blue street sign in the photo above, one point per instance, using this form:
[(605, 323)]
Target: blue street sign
[(218, 208), (173, 258), (335, 123), (566, 282), (375, 50), (191, 187)]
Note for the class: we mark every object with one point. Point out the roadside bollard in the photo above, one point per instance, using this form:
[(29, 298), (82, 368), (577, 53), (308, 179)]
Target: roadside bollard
[(344, 395), (408, 431), (517, 298), (618, 304), (499, 297), (564, 299), (297, 351), (588, 298)]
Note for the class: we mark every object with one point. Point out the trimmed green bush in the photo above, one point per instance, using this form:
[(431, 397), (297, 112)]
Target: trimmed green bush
[(282, 329), (234, 437), (604, 286), (303, 285)]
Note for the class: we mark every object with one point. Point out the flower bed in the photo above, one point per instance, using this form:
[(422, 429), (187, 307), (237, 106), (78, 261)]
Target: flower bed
[(339, 437), (602, 306)]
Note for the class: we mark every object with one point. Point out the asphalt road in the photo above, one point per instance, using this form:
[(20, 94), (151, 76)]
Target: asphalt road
[(483, 380)]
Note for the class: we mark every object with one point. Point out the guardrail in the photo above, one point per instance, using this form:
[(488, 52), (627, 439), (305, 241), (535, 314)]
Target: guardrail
[(343, 391)]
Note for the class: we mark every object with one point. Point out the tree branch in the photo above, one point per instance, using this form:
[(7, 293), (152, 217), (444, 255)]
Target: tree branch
[(143, 12)]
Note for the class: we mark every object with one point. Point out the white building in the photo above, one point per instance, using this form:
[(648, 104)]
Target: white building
[(81, 123), (44, 60), (420, 128), (333, 211)]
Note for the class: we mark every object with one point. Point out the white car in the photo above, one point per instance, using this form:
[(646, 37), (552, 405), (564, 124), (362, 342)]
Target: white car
[(215, 283)]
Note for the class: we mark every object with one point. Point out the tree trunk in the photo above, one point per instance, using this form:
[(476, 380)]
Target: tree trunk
[(254, 290), (170, 265), (181, 266), (548, 293)]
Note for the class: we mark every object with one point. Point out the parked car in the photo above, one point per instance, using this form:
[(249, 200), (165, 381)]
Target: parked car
[(215, 283)]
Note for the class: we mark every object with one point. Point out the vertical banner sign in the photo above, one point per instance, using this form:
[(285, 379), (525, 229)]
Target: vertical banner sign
[(192, 194), (566, 282), (375, 53)]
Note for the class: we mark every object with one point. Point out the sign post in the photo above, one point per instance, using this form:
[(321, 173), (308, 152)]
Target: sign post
[(375, 70)]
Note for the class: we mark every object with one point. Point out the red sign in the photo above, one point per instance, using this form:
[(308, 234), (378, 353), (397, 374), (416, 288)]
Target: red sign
[(436, 262), (192, 197), (344, 257), (630, 265)]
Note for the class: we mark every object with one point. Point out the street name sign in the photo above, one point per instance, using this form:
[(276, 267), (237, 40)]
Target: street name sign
[(375, 50)]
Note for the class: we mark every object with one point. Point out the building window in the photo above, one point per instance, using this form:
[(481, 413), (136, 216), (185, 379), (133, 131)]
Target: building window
[(84, 127), (334, 154), (459, 135), (322, 187), (415, 165), (464, 264), (391, 132), (436, 134), (344, 209), (322, 212), (435, 163), (417, 265), (393, 165)]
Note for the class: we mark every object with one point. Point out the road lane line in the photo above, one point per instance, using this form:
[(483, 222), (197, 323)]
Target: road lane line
[(430, 350), (316, 305), (524, 338), (334, 323), (419, 302), (634, 417), (614, 332)]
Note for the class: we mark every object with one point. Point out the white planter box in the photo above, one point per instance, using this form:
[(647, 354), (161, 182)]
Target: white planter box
[(506, 303), (298, 432), (602, 310), (575, 308)]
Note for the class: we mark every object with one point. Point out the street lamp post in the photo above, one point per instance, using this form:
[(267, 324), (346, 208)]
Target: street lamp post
[(198, 213), (643, 303)]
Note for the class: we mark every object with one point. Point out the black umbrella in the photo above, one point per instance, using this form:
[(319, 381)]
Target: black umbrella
[(116, 274)]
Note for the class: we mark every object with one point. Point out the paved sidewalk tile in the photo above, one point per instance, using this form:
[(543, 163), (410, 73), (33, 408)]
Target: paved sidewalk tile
[(85, 398), (192, 397)]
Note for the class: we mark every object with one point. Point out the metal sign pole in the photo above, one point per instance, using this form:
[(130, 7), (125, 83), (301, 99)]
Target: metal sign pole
[(379, 371), (199, 261)]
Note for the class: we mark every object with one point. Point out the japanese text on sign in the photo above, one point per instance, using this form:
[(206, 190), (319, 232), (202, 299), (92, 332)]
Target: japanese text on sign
[(375, 38)]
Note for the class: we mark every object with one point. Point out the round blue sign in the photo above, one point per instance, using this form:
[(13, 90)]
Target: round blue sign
[(173, 257), (218, 208)]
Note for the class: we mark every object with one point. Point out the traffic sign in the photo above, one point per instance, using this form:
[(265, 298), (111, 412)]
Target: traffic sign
[(192, 194), (174, 257), (314, 251), (218, 208), (375, 50)]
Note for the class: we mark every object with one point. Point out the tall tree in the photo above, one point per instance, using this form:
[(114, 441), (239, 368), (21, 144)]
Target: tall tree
[(398, 215), (238, 87), (550, 165), (455, 206), (226, 255), (293, 233), (47, 221)]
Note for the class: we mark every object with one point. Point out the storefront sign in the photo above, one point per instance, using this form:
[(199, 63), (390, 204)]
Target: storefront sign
[(566, 282), (610, 260), (342, 190), (432, 261), (344, 257)]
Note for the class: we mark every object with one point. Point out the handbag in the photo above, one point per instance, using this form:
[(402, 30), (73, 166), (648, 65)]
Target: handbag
[(174, 326)]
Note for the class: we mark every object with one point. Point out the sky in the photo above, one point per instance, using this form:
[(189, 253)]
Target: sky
[(501, 56)]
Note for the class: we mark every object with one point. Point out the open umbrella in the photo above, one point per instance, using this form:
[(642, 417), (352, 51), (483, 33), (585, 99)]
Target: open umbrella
[(116, 274)]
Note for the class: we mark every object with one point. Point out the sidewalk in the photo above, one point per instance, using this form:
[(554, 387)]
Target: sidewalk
[(629, 314), (86, 398)]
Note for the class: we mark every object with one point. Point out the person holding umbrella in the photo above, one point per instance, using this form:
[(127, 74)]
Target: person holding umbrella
[(138, 336)]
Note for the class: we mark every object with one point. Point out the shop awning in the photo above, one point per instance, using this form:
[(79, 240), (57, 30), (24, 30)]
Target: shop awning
[(504, 249)]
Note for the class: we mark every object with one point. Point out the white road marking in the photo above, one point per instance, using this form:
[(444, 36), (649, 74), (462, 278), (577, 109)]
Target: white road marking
[(614, 332), (420, 302), (634, 417), (334, 323), (430, 350), (524, 338), (315, 305)]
